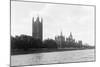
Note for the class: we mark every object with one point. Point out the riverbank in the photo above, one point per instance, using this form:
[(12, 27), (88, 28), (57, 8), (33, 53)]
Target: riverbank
[(44, 50)]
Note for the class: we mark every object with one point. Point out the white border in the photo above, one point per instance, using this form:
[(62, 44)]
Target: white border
[(5, 31)]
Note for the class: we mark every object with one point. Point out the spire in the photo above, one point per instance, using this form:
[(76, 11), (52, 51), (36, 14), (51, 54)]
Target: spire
[(61, 33), (70, 36)]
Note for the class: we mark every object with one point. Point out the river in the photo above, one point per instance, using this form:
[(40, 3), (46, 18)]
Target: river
[(53, 57)]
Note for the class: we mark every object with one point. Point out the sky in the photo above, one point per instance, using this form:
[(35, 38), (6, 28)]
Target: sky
[(57, 18)]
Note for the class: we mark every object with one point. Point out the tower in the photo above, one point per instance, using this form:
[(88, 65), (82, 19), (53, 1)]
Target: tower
[(37, 28)]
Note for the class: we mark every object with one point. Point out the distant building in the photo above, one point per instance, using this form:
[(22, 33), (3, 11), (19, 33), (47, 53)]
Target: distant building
[(60, 40), (37, 26), (70, 38), (80, 42)]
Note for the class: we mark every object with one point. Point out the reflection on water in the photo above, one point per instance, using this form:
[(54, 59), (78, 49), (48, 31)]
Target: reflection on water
[(53, 57), (36, 58)]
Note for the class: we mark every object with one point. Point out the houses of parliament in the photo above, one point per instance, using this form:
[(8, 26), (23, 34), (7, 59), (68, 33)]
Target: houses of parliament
[(37, 32)]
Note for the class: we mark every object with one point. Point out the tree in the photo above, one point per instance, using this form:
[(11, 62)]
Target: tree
[(49, 43), (25, 42)]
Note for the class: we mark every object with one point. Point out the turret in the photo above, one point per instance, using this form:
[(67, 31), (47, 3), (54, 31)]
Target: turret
[(37, 19), (33, 20)]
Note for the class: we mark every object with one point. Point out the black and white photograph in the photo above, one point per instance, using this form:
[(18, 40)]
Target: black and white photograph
[(43, 33)]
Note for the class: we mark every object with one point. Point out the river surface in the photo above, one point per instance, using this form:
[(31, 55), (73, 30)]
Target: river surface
[(53, 57)]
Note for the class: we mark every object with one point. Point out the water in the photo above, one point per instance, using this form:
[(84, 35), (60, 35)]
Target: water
[(53, 57)]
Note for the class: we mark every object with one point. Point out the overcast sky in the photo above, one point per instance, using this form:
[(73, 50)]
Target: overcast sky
[(56, 18)]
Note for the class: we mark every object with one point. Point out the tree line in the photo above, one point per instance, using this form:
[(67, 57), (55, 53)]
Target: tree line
[(25, 42), (28, 42)]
